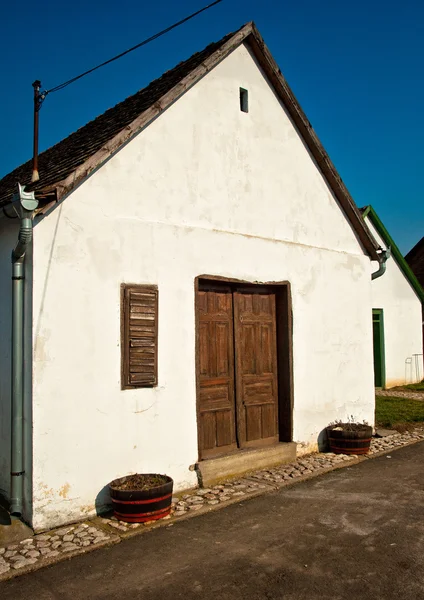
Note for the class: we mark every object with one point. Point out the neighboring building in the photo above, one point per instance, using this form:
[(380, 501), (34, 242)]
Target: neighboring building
[(199, 284), (397, 315), (415, 259)]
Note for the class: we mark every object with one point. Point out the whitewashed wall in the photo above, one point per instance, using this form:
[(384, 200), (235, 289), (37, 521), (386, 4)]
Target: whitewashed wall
[(205, 189), (402, 321)]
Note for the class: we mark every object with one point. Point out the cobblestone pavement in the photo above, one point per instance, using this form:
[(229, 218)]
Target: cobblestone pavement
[(401, 394), (46, 548), (64, 542), (395, 441)]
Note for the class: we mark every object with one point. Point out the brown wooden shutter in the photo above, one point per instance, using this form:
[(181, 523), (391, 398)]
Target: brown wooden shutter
[(139, 336)]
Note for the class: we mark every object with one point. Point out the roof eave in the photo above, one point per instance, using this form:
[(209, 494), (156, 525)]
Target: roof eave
[(396, 253)]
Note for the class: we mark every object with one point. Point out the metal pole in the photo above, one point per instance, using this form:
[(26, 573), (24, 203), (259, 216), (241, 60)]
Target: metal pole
[(35, 175)]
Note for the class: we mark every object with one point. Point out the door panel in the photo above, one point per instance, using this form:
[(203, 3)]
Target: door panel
[(256, 367), (378, 342), (217, 427)]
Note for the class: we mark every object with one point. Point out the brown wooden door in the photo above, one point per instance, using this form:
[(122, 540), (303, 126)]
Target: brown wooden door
[(256, 367), (217, 426), (238, 397)]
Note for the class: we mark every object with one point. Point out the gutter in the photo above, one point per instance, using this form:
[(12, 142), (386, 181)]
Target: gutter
[(24, 205), (383, 257), (396, 254)]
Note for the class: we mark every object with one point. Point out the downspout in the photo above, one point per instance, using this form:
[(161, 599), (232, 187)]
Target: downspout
[(24, 205), (383, 257)]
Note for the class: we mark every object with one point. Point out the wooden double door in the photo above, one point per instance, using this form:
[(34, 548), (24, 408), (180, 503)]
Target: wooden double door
[(238, 395)]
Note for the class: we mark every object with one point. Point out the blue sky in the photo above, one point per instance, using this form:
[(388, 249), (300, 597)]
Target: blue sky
[(355, 67)]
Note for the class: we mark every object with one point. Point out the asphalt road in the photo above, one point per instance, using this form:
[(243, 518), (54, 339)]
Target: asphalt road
[(355, 534)]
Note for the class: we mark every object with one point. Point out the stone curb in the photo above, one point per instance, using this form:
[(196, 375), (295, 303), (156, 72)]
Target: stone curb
[(47, 562), (170, 521), (289, 483), (269, 488), (115, 537), (389, 450)]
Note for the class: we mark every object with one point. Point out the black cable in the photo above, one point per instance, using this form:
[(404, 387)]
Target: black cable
[(143, 43)]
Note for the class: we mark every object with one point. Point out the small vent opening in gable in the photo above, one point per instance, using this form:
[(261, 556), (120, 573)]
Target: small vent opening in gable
[(244, 100)]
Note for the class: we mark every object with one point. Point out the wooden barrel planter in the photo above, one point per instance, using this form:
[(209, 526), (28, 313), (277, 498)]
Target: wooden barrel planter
[(141, 497), (345, 439)]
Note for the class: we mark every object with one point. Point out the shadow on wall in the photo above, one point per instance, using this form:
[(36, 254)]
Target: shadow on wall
[(323, 445), (4, 517), (103, 502), (4, 509)]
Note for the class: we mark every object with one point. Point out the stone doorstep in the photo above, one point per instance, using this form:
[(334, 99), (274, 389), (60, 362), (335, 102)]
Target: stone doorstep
[(215, 470), (114, 535)]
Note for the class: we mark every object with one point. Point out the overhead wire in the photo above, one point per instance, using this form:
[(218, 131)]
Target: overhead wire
[(61, 86)]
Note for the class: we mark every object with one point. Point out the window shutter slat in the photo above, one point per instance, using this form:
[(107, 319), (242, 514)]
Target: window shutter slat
[(140, 336)]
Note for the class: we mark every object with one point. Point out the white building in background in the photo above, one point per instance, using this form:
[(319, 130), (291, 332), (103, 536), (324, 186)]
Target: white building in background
[(397, 315), (199, 284)]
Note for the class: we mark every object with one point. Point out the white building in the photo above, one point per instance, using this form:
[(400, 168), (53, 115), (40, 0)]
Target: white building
[(397, 315), (199, 286)]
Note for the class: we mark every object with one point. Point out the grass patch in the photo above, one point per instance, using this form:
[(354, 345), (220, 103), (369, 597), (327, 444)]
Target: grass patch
[(417, 387), (398, 413), (414, 387)]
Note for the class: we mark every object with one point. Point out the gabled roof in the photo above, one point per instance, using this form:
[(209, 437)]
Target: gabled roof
[(415, 259), (67, 160), (63, 166), (368, 211)]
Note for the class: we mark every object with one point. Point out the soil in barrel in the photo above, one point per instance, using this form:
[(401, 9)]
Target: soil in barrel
[(140, 482)]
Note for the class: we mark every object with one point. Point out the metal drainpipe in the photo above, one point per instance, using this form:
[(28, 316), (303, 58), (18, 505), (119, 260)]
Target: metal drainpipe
[(383, 258), (24, 205)]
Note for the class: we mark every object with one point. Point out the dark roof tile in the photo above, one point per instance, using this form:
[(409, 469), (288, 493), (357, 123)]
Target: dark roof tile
[(59, 161)]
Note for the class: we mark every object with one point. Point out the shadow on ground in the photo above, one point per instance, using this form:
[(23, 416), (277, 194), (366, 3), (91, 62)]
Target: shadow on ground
[(353, 533)]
